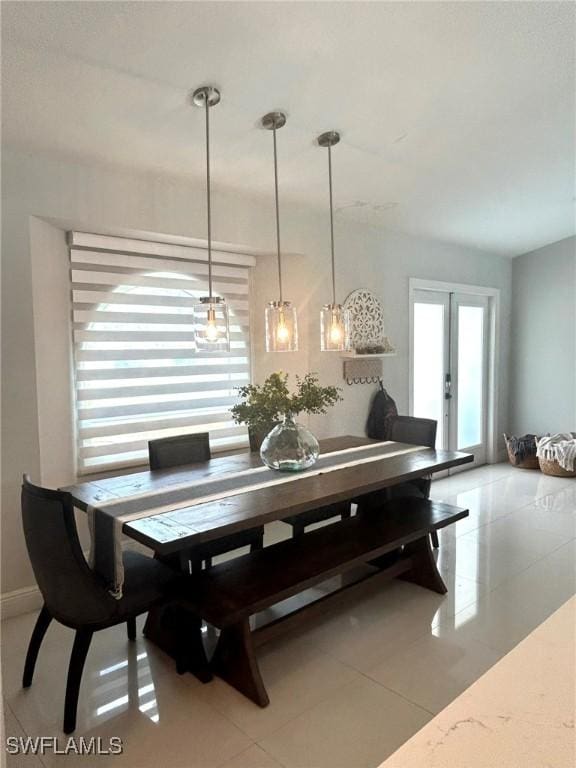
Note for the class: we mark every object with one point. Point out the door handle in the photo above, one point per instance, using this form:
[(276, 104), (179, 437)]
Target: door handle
[(447, 387)]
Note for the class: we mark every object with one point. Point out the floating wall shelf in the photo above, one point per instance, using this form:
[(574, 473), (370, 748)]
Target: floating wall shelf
[(377, 356)]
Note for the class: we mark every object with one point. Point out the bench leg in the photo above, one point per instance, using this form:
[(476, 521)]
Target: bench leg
[(434, 539), (235, 662), (258, 543), (424, 571)]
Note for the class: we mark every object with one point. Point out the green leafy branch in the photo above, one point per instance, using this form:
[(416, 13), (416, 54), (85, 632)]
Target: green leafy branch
[(264, 405)]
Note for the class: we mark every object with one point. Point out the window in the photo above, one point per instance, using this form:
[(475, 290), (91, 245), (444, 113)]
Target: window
[(137, 374)]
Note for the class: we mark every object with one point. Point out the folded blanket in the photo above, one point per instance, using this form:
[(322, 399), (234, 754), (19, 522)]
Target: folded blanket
[(560, 447)]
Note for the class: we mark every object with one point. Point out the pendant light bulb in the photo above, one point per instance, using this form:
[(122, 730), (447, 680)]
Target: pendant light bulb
[(282, 331), (334, 318), (212, 331), (336, 333), (281, 318), (211, 322)]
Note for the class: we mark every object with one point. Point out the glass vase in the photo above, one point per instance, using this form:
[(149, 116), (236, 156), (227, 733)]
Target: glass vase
[(289, 447)]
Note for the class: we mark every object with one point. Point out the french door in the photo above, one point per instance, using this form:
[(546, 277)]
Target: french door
[(450, 367)]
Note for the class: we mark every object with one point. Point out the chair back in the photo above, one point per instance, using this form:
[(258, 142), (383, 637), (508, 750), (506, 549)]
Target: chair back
[(409, 429), (176, 451), (72, 592)]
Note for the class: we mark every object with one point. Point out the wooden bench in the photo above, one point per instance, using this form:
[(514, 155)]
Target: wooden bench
[(395, 539)]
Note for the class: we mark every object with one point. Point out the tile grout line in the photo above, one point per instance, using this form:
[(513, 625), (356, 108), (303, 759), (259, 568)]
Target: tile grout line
[(505, 517), (480, 485), (505, 476), (24, 731), (307, 709), (271, 755), (538, 560), (366, 676)]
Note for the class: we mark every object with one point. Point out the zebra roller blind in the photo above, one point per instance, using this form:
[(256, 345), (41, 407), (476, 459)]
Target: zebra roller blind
[(137, 374)]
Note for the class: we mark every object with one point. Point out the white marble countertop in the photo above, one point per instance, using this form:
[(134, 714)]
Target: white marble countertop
[(520, 714)]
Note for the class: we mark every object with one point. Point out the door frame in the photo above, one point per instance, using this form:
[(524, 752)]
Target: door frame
[(493, 295)]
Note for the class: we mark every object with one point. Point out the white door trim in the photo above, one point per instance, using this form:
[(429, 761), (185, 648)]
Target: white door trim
[(493, 294)]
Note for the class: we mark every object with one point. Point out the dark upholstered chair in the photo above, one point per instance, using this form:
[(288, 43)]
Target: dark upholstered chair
[(188, 449), (176, 451), (299, 523), (73, 594), (415, 431)]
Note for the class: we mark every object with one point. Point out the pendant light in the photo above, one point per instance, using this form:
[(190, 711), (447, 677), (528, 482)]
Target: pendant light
[(334, 319), (211, 325), (281, 319)]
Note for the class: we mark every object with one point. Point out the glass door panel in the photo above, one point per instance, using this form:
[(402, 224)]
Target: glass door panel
[(470, 364), (430, 353), (469, 315)]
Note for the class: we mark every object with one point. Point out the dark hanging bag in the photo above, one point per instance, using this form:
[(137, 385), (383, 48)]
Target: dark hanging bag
[(382, 413)]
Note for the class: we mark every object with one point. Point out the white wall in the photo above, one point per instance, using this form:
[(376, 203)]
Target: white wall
[(100, 199), (544, 340)]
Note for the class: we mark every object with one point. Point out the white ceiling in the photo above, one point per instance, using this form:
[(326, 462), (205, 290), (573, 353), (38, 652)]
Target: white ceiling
[(457, 118)]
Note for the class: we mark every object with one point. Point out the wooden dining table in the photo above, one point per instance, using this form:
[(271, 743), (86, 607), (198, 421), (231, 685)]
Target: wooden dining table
[(228, 594), (215, 519)]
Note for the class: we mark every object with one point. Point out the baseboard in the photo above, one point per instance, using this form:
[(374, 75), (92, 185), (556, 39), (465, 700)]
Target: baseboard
[(23, 600), (20, 601)]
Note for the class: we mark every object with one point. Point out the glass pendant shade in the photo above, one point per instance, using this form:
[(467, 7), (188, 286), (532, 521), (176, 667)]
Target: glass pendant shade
[(211, 325), (335, 323), (281, 327)]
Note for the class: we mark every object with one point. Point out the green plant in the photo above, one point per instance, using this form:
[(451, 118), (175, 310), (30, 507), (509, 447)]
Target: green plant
[(265, 405)]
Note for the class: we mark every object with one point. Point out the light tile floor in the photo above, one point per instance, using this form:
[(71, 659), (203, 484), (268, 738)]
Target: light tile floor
[(348, 688)]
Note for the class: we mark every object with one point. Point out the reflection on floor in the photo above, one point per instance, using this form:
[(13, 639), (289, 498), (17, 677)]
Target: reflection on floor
[(351, 686)]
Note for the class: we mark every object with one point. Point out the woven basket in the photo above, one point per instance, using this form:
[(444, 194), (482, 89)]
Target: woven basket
[(551, 467), (529, 462)]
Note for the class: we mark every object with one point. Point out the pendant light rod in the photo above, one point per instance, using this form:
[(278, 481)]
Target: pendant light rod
[(329, 139), (331, 225), (208, 197), (278, 249), (207, 97), (272, 121)]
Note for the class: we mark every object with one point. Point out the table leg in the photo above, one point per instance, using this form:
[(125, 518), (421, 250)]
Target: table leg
[(177, 632)]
